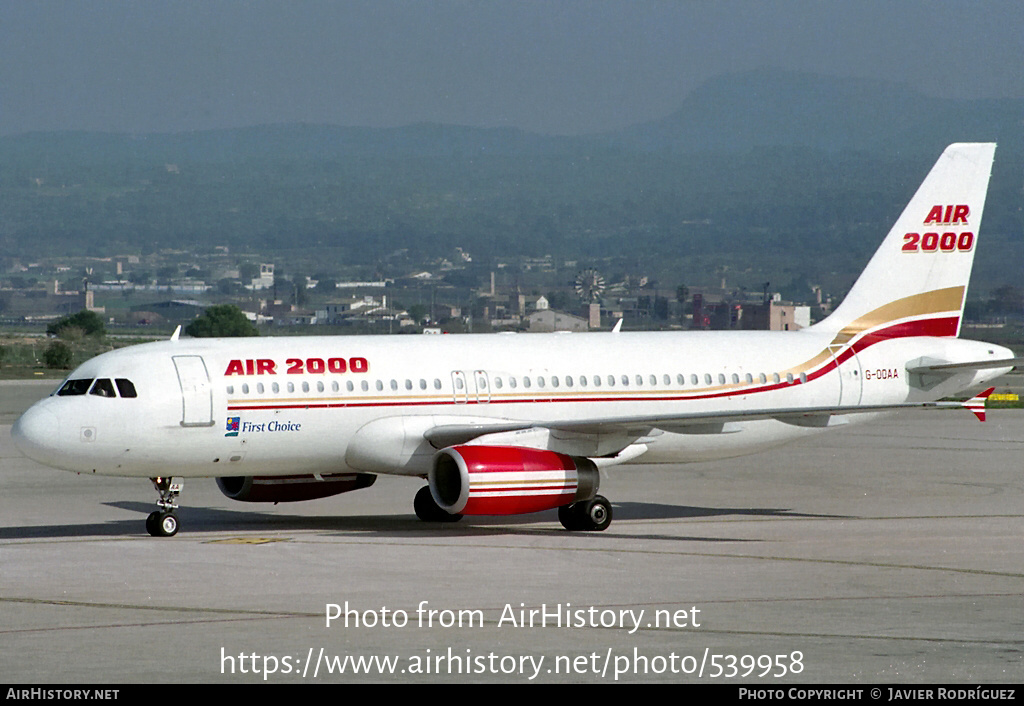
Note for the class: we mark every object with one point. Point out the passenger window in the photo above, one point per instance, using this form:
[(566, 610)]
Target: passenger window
[(680, 379), (103, 388), (125, 388), (437, 383), (735, 378), (74, 387), (694, 380), (319, 387), (259, 388), (275, 388)]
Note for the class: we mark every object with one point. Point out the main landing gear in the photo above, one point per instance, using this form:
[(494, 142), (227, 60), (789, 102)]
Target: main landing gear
[(592, 515), (428, 510), (164, 522)]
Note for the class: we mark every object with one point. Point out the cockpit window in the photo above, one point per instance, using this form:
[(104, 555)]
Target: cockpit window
[(125, 387), (103, 388), (74, 387)]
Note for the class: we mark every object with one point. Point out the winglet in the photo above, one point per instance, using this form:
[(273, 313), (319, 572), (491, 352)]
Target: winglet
[(977, 403), (177, 332)]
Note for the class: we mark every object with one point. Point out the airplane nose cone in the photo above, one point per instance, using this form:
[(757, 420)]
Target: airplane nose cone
[(36, 432)]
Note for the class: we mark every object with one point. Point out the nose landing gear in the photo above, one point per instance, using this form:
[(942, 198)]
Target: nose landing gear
[(164, 522)]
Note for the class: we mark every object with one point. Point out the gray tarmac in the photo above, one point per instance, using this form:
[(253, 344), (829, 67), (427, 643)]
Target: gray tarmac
[(885, 552)]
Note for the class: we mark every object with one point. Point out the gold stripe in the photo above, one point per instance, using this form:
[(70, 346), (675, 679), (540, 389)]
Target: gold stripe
[(949, 299)]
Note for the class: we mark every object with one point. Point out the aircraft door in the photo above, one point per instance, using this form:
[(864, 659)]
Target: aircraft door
[(460, 389), (849, 380), (196, 393), (483, 387)]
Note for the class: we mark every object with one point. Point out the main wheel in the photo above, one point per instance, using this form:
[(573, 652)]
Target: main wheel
[(428, 510), (592, 515), (597, 514)]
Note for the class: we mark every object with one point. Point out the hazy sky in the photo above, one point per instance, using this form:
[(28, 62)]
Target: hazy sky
[(554, 66)]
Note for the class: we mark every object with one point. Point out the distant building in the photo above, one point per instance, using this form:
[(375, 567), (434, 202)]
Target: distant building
[(548, 320), (266, 278)]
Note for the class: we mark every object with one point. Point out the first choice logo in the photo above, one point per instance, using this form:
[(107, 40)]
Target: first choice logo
[(298, 366)]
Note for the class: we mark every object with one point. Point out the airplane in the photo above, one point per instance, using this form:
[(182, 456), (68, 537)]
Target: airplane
[(504, 424)]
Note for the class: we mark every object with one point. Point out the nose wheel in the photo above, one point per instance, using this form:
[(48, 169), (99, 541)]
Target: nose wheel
[(164, 522)]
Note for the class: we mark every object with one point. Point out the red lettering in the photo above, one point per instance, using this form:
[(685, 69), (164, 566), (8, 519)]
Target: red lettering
[(336, 365), (929, 242), (911, 242), (934, 216), (358, 365), (965, 241), (234, 368), (960, 214), (947, 243), (250, 367), (294, 366), (315, 365), (265, 366), (949, 214)]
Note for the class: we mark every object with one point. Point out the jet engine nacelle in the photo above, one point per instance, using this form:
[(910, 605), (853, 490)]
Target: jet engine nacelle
[(283, 489), (508, 480)]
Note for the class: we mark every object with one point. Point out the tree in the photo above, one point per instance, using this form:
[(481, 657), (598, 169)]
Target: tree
[(221, 321), (57, 355), (84, 323)]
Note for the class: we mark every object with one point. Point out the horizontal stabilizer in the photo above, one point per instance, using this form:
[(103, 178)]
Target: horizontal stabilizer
[(977, 403), (973, 365)]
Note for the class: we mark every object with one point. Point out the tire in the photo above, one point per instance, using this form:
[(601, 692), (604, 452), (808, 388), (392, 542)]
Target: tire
[(428, 510)]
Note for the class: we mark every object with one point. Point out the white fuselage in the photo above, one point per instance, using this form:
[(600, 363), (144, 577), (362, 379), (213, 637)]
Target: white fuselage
[(283, 406)]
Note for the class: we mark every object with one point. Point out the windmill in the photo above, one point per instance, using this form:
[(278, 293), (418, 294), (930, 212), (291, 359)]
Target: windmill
[(589, 286)]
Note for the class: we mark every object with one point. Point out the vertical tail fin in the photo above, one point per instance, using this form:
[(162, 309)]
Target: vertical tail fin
[(916, 283)]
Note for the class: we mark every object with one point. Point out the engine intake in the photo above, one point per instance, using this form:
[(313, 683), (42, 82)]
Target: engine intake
[(508, 480), (284, 489)]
